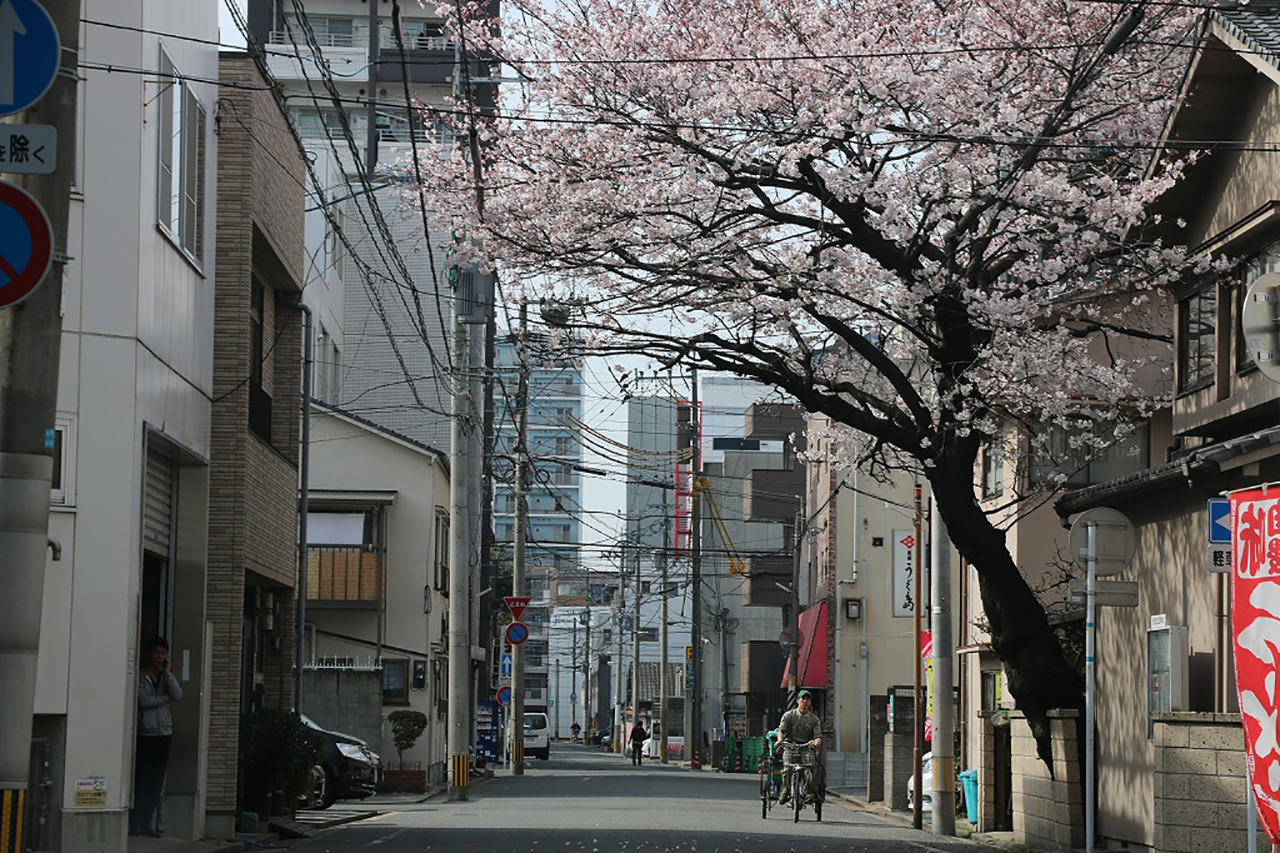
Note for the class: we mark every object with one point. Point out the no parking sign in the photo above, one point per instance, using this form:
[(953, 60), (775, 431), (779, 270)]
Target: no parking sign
[(26, 244)]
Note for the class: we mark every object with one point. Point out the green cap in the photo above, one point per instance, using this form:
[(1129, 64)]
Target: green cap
[(804, 694)]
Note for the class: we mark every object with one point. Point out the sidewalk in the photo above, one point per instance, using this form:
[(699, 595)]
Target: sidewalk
[(1000, 840)]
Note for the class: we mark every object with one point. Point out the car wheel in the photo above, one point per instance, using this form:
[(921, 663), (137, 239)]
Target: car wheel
[(318, 787), (330, 795)]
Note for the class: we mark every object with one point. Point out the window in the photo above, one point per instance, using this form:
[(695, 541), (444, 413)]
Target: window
[(442, 551), (395, 681), (63, 452), (993, 467), (1065, 457), (1197, 340), (259, 399), (181, 171), (331, 31)]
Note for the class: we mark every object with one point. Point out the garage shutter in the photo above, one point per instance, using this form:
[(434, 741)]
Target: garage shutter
[(157, 503)]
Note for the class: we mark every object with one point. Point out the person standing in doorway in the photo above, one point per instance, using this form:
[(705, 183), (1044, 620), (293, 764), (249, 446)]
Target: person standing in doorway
[(157, 688)]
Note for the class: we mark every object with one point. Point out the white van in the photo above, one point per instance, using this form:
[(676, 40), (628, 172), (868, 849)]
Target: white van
[(537, 736)]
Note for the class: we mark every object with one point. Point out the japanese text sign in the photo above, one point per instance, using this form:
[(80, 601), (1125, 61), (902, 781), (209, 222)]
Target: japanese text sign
[(1255, 629)]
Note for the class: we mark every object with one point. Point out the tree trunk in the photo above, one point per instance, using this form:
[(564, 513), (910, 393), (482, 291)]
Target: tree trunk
[(1039, 676)]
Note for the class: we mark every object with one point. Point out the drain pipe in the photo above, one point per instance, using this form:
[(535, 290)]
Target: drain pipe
[(304, 479)]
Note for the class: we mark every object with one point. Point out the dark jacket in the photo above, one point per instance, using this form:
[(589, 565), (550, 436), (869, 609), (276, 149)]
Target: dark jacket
[(639, 735)]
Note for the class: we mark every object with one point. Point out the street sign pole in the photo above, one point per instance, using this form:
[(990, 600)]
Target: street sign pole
[(1090, 650), (38, 92)]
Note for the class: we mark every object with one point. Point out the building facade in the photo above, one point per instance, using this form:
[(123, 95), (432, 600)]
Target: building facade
[(131, 491)]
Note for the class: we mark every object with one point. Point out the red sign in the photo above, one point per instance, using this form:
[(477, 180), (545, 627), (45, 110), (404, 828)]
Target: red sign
[(517, 633), (26, 244), (516, 604), (1255, 629)]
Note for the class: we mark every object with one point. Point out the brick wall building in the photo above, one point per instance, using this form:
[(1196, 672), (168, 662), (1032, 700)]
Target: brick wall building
[(256, 420)]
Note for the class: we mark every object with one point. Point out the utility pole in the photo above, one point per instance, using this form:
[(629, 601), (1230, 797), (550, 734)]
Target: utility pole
[(586, 671), (371, 95), (557, 695), (635, 647), (663, 698), (917, 701), (522, 532), (793, 677), (693, 737), (620, 612), (944, 776), (573, 675), (30, 344)]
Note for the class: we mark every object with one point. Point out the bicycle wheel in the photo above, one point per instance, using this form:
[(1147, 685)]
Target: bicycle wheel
[(797, 791), (764, 795)]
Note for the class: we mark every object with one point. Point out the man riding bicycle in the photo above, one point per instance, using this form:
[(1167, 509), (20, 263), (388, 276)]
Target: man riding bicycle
[(799, 725)]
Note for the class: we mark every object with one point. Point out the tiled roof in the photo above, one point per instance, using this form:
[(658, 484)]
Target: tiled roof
[(649, 681), (1256, 23)]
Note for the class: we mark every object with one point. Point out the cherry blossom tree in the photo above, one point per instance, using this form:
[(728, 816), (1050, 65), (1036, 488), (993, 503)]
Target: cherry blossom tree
[(923, 218)]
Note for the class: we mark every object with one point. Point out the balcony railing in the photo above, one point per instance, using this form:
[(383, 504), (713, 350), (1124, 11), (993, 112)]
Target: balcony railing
[(344, 575), (359, 37)]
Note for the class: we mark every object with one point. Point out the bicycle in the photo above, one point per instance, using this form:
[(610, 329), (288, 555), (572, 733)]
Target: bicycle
[(808, 778), (770, 778)]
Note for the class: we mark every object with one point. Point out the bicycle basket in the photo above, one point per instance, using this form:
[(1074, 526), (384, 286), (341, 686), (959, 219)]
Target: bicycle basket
[(794, 753)]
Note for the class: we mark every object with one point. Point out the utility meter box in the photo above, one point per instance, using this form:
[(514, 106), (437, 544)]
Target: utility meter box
[(1167, 660)]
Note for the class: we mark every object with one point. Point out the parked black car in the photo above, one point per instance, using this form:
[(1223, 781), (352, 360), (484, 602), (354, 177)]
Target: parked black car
[(348, 769)]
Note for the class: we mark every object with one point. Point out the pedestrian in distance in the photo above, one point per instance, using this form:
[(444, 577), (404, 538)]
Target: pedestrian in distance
[(638, 737), (157, 688), (799, 725)]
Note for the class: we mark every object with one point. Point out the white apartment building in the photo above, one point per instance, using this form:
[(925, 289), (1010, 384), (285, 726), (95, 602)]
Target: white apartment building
[(131, 476)]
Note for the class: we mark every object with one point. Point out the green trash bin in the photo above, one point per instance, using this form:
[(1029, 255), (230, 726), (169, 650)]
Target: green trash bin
[(969, 779)]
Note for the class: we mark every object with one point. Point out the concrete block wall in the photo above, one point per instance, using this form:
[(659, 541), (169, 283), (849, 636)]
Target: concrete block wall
[(988, 817), (1200, 783), (899, 749), (1048, 810), (347, 701), (879, 727)]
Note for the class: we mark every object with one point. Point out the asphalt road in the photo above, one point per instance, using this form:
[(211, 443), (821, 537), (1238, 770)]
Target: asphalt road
[(585, 801)]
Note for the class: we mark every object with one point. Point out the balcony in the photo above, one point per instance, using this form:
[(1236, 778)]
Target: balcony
[(764, 574), (772, 494), (344, 576)]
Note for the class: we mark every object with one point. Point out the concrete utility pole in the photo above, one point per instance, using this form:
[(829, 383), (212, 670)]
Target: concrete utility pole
[(371, 95), (573, 680), (557, 700), (586, 671), (30, 344), (664, 699), (793, 676), (522, 532), (693, 737), (944, 775), (620, 612), (917, 701), (459, 575), (304, 506), (635, 647)]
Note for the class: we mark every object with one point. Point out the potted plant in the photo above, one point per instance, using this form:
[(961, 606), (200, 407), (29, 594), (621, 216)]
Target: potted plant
[(406, 727), (279, 752)]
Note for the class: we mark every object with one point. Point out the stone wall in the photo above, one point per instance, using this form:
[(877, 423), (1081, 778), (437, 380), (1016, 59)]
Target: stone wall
[(1048, 811), (1200, 783), (899, 748)]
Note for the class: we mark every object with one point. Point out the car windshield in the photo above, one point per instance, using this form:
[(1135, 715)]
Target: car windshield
[(535, 721)]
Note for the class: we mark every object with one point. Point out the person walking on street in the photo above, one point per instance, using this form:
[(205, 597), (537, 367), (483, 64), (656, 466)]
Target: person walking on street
[(638, 737), (156, 689), (799, 725)]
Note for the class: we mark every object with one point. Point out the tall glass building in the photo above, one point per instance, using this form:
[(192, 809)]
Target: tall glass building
[(555, 575)]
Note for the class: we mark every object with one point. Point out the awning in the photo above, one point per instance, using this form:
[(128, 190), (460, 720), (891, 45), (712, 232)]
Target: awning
[(813, 649)]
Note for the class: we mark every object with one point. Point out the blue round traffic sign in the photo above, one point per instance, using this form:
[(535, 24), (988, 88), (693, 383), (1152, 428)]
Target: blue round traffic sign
[(29, 54), (26, 243), (504, 696), (517, 633)]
